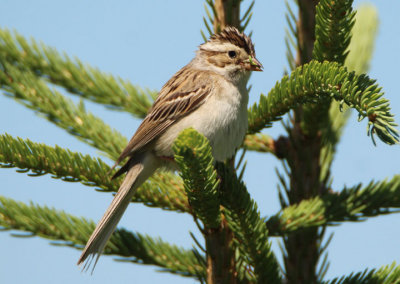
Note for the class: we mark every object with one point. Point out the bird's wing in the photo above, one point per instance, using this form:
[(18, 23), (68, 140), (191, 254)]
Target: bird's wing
[(181, 95)]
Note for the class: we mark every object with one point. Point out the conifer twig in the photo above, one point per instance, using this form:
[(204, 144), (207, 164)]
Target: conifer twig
[(194, 158), (333, 24), (388, 274), (33, 93), (74, 232), (163, 190), (249, 229), (318, 81), (76, 77), (193, 154), (357, 58), (259, 142), (350, 204), (360, 51)]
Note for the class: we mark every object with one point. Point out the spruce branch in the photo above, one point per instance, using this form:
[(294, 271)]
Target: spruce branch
[(249, 229), (259, 142), (71, 74), (302, 249), (360, 50), (315, 82), (389, 274), (209, 21), (351, 204), (333, 23), (266, 144), (193, 154), (60, 163), (163, 190), (74, 232), (33, 93), (221, 13), (227, 14), (324, 32)]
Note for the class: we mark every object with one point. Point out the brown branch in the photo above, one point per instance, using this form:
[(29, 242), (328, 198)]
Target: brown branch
[(306, 31), (228, 14), (303, 158), (220, 255)]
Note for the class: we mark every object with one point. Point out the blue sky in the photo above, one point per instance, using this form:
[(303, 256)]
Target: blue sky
[(146, 42)]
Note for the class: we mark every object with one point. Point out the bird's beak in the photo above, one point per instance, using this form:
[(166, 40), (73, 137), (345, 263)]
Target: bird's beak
[(252, 64)]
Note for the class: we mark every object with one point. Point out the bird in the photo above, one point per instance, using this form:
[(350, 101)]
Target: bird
[(210, 95)]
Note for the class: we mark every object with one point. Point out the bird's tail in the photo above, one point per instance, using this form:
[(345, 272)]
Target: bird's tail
[(140, 168)]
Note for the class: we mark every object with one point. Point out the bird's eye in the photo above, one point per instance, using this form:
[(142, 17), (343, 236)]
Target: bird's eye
[(232, 54)]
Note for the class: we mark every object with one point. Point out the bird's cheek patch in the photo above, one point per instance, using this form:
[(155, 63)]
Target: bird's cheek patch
[(218, 60)]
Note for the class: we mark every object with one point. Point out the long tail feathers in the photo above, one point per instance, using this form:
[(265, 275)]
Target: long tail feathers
[(138, 172)]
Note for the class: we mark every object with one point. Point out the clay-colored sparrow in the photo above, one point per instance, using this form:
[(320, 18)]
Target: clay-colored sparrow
[(210, 95)]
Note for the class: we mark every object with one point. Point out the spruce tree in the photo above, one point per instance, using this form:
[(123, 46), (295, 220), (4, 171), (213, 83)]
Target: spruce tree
[(329, 47)]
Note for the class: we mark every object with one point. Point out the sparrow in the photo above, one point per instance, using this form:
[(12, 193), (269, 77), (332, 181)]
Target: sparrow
[(209, 94)]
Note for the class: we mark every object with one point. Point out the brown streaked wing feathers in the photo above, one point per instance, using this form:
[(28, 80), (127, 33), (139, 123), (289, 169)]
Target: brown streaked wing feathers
[(176, 99)]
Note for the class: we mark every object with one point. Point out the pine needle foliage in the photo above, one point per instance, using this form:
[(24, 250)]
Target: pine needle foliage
[(353, 204), (389, 274), (194, 158), (315, 82), (214, 22), (72, 231), (27, 89), (59, 162), (259, 142), (71, 74), (193, 155), (363, 34), (323, 27), (334, 21), (163, 190), (333, 24), (249, 230)]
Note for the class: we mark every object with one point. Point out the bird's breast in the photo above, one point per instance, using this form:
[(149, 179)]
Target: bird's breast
[(227, 125), (222, 118)]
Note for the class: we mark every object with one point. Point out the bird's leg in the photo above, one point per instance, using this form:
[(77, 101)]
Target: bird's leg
[(167, 158)]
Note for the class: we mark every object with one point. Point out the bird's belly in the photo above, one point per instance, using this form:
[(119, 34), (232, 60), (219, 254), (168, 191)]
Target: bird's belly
[(225, 132), (225, 128)]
